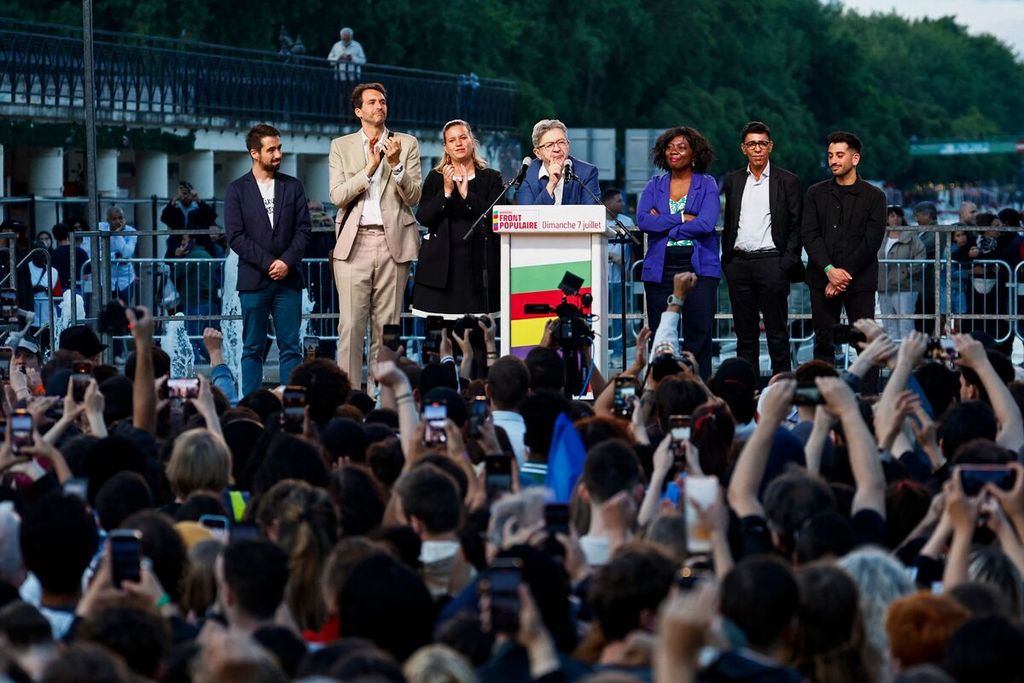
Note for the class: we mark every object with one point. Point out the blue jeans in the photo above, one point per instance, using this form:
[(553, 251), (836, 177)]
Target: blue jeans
[(285, 304)]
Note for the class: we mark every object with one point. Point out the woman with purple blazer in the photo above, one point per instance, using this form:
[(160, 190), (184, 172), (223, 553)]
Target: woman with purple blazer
[(678, 211)]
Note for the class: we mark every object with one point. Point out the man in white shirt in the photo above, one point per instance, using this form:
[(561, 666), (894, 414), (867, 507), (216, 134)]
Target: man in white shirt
[(508, 383), (347, 56), (761, 248), (375, 181)]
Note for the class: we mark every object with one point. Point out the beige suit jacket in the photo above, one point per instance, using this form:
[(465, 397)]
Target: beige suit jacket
[(349, 182)]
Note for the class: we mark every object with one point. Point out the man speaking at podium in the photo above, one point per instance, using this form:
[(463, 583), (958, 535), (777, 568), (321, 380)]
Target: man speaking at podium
[(554, 177)]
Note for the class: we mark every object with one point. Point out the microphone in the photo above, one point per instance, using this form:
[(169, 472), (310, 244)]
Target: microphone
[(521, 176), (567, 169)]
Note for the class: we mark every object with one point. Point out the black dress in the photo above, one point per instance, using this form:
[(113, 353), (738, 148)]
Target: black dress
[(449, 277)]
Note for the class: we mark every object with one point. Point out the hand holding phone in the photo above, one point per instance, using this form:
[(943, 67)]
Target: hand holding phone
[(477, 415), (679, 429), (293, 415), (498, 474), (501, 585), (625, 395), (22, 430), (125, 555), (435, 416), (183, 388), (81, 375)]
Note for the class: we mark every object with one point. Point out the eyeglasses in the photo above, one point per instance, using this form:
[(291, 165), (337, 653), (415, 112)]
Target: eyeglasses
[(758, 144), (553, 144)]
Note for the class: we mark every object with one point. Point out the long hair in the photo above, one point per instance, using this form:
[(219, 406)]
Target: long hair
[(834, 645), (445, 159), (307, 529)]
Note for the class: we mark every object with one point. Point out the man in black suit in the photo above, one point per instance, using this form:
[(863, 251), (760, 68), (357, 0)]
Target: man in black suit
[(761, 248), (843, 227), (266, 220)]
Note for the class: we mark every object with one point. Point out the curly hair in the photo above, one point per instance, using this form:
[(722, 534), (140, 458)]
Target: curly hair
[(703, 155)]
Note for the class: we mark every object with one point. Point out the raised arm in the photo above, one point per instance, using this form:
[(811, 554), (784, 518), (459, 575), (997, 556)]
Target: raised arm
[(863, 453), (143, 387), (746, 478), (973, 356)]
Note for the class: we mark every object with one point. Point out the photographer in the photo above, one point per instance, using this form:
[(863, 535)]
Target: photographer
[(186, 211)]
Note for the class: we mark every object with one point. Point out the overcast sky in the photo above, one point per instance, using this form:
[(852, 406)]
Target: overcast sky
[(1002, 18)]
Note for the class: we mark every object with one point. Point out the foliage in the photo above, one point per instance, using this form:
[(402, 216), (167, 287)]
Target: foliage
[(803, 66)]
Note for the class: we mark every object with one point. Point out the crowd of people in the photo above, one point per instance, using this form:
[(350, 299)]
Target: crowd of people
[(674, 528)]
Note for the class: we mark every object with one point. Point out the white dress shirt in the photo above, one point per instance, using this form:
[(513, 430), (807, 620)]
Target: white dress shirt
[(371, 206), (755, 224)]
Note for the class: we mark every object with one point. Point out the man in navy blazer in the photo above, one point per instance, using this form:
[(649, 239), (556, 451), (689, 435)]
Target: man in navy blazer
[(547, 181), (266, 219)]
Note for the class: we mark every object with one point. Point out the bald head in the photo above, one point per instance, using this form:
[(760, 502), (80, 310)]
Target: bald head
[(968, 213)]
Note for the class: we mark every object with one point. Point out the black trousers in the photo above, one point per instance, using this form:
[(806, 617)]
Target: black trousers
[(825, 314), (758, 287)]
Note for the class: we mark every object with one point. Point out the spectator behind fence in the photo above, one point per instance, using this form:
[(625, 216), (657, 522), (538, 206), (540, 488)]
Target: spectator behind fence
[(898, 281), (61, 257), (347, 56)]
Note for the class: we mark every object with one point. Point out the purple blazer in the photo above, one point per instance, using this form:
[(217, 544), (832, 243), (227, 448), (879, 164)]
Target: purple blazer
[(703, 201)]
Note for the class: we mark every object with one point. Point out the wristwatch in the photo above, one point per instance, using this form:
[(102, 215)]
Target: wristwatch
[(674, 300)]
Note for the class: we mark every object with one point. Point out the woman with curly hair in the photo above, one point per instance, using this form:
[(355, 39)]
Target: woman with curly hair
[(678, 211)]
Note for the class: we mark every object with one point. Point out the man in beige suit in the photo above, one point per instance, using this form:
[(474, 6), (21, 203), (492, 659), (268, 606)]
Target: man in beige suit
[(375, 182)]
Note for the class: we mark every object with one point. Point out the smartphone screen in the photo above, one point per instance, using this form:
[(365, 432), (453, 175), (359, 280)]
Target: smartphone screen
[(974, 477), (81, 375), (625, 392), (294, 412), (6, 354), (477, 415), (125, 555), (498, 474), (22, 426), (391, 336), (217, 525), (503, 579), (8, 306), (183, 387), (311, 345), (434, 417), (701, 491), (434, 328), (556, 518), (79, 488)]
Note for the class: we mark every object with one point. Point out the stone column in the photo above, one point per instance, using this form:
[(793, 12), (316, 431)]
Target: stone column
[(46, 179), (229, 167), (197, 168), (314, 174)]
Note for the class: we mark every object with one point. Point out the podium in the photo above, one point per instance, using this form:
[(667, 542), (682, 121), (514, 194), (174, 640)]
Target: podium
[(539, 244)]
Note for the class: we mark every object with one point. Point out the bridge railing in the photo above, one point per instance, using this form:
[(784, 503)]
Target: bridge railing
[(197, 83)]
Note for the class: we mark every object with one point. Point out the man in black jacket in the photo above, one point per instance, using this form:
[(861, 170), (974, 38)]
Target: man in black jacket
[(843, 228), (761, 248)]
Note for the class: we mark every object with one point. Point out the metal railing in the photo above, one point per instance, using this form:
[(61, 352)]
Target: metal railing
[(986, 295), (197, 83)]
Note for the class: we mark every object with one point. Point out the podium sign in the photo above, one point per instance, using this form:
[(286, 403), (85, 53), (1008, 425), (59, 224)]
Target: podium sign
[(539, 244)]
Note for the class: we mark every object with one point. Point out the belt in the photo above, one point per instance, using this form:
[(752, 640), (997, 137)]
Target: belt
[(762, 253), (371, 228)]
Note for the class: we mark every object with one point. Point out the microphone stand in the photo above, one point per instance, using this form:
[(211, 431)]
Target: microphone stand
[(488, 236), (621, 234)]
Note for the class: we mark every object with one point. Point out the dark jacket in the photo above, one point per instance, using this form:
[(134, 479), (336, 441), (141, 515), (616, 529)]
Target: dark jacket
[(250, 234), (855, 248), (785, 201), (451, 218)]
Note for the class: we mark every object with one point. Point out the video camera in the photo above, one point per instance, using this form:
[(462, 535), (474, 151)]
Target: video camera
[(573, 332)]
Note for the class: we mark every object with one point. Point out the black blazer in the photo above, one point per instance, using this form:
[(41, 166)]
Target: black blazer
[(250, 235), (785, 202), (854, 249), (451, 218)]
